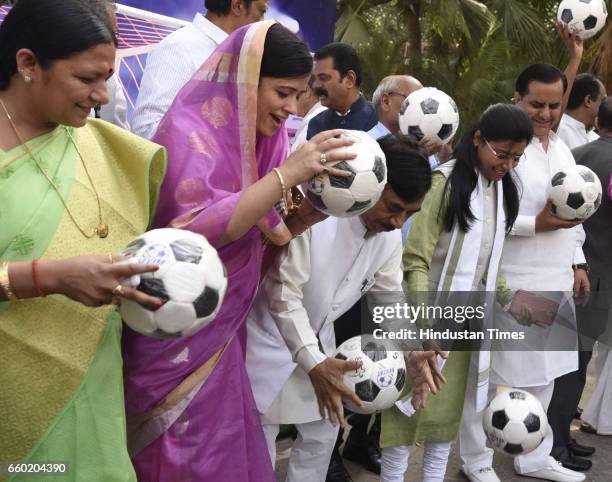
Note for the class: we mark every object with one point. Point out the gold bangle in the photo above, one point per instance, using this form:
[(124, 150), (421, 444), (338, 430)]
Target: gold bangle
[(281, 180), (283, 190), (5, 282)]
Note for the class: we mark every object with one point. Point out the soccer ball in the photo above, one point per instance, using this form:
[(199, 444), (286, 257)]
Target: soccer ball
[(575, 192), (381, 378), (431, 114), (191, 283), (353, 195), (515, 422), (584, 17)]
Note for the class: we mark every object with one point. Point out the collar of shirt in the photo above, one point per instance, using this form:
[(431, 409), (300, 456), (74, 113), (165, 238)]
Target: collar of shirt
[(209, 29), (553, 138), (574, 123), (358, 227), (606, 138), (314, 110), (357, 106)]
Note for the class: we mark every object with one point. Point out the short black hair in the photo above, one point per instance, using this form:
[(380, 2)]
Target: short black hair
[(285, 54), (408, 170), (222, 7), (345, 59), (584, 85), (604, 115), (545, 73), (52, 30)]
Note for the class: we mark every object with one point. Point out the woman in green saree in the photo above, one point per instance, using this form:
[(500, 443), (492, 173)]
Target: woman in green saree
[(73, 191)]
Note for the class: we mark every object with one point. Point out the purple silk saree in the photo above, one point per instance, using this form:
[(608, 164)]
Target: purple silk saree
[(214, 432)]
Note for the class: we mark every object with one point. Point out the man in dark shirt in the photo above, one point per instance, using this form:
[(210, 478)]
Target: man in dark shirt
[(593, 317), (338, 77)]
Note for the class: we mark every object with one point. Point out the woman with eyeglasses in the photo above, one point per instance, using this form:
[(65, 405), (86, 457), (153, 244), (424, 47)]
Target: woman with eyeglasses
[(455, 245)]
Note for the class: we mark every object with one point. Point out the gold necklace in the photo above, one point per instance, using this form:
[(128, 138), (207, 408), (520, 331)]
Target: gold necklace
[(102, 229)]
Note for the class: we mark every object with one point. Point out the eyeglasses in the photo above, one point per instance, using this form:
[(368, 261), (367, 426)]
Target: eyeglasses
[(397, 93), (503, 156)]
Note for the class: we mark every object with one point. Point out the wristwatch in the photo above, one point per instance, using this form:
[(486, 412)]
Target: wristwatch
[(583, 266)]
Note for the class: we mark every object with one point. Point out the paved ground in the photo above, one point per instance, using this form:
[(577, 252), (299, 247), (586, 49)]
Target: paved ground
[(601, 471)]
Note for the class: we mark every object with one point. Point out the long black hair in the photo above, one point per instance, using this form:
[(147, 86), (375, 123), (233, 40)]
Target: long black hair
[(500, 122), (285, 55), (52, 30)]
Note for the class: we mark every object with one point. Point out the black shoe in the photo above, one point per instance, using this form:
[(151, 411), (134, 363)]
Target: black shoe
[(578, 413), (337, 471), (576, 463), (580, 450), (367, 457)]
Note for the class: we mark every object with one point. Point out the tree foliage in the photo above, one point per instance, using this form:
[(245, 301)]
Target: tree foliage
[(471, 49)]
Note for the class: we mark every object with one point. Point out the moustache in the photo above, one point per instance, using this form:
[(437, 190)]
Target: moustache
[(320, 92)]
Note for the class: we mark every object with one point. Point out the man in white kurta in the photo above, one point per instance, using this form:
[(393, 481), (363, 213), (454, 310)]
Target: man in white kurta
[(318, 277), (173, 62), (538, 256)]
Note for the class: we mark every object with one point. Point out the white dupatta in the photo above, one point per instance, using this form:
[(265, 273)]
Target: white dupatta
[(459, 271)]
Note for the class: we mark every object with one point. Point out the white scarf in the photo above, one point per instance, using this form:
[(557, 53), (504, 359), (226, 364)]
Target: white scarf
[(460, 269)]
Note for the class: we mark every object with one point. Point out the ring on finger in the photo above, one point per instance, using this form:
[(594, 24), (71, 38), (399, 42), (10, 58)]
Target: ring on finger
[(118, 291), (323, 159), (110, 258)]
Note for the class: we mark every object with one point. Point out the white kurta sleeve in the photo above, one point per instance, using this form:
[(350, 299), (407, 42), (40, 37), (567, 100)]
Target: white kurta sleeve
[(580, 238), (388, 278), (167, 70), (524, 226), (283, 289)]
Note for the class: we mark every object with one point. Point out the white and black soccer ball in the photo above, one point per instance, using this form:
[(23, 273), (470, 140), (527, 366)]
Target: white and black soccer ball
[(431, 114), (575, 192), (515, 422), (584, 17), (381, 378), (352, 195), (191, 283)]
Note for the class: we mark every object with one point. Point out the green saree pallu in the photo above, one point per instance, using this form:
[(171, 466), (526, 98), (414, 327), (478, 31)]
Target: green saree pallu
[(61, 369)]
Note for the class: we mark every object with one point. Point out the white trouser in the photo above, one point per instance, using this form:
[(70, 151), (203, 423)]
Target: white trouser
[(472, 439), (311, 451), (394, 463), (598, 412)]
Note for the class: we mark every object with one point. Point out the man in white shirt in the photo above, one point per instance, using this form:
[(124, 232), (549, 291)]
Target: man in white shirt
[(176, 58), (577, 124), (538, 255), (309, 106), (318, 277), (115, 111), (388, 99)]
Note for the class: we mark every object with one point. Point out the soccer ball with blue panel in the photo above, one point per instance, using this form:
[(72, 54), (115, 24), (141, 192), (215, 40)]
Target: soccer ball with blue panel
[(352, 195), (380, 380), (191, 283)]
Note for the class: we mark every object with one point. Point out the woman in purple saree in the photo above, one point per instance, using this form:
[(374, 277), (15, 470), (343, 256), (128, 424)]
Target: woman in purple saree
[(191, 413)]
